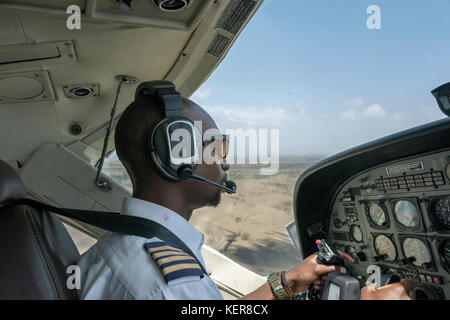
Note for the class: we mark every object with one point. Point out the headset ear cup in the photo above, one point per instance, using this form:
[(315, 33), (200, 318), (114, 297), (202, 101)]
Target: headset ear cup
[(160, 144), (159, 151)]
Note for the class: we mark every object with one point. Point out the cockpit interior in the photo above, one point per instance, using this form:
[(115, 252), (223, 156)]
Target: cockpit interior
[(68, 69), (386, 204)]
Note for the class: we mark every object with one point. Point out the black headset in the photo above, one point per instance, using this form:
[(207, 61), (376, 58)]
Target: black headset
[(173, 142)]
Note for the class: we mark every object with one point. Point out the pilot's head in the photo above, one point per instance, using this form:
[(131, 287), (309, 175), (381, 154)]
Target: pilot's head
[(131, 135)]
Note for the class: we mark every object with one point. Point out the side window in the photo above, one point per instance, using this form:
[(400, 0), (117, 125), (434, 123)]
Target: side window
[(249, 226), (113, 168)]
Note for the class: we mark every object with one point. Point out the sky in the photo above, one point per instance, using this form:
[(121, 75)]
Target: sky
[(314, 71)]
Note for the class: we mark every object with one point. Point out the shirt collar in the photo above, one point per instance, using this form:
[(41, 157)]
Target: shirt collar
[(171, 220)]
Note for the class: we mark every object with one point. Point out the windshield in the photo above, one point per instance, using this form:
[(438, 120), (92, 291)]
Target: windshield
[(312, 78), (327, 75)]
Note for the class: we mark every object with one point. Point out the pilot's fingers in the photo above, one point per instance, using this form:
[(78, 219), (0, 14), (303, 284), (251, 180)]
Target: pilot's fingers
[(408, 285), (394, 291), (346, 256), (318, 284), (322, 269)]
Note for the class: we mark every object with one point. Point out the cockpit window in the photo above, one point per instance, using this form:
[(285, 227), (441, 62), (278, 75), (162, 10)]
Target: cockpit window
[(328, 76), (113, 168), (249, 226), (311, 81)]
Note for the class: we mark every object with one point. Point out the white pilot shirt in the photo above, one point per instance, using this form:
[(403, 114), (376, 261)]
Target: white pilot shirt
[(119, 267)]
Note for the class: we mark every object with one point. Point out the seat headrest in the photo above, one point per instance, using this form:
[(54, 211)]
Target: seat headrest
[(11, 187)]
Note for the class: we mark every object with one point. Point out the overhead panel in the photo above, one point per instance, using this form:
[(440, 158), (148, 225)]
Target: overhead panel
[(219, 45), (14, 56), (28, 86), (148, 12), (132, 12), (232, 20), (11, 31), (30, 53), (236, 14)]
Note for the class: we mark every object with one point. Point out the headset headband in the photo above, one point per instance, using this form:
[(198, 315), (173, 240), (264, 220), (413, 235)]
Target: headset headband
[(165, 92)]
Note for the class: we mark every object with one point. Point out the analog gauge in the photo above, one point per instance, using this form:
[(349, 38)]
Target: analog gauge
[(416, 248), (356, 233), (377, 214), (406, 213), (385, 246), (442, 212)]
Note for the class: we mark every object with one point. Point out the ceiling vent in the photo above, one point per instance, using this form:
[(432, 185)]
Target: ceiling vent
[(84, 90), (172, 5), (25, 87), (236, 14), (219, 45)]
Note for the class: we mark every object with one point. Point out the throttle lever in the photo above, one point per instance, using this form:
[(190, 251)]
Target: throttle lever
[(327, 255)]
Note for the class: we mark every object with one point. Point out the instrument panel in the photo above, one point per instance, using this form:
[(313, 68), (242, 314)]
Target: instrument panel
[(397, 216)]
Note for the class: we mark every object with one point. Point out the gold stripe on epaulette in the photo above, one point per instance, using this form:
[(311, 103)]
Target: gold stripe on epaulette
[(168, 253), (174, 258), (177, 267), (163, 248)]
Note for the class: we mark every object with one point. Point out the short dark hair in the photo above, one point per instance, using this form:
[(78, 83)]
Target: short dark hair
[(131, 134)]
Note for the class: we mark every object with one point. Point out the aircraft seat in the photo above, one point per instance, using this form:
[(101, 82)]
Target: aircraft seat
[(35, 247)]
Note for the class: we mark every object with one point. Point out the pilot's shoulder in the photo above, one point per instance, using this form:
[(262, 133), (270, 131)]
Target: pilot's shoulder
[(175, 265)]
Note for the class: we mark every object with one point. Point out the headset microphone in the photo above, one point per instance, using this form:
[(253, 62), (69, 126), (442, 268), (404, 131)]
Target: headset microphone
[(231, 185), (187, 173)]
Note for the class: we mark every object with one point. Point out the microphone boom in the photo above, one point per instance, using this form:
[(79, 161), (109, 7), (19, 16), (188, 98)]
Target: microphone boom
[(186, 173)]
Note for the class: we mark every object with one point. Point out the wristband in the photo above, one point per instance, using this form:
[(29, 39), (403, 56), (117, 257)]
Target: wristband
[(277, 287), (288, 290)]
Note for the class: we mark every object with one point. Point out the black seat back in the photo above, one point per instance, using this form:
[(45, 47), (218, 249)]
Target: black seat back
[(35, 247)]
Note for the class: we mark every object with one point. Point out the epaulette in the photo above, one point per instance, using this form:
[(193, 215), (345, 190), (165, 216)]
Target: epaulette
[(173, 262)]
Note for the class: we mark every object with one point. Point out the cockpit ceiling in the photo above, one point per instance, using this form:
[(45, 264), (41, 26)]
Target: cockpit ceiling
[(141, 12), (144, 42)]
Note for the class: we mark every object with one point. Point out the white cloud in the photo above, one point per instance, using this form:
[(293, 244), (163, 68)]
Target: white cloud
[(305, 130), (353, 103), (238, 116), (401, 116), (201, 94), (348, 114), (375, 111), (355, 110)]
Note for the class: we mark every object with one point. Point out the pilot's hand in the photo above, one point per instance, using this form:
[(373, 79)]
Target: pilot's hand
[(310, 271), (395, 291)]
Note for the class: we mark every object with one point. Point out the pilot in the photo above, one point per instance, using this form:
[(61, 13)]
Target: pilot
[(130, 267)]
